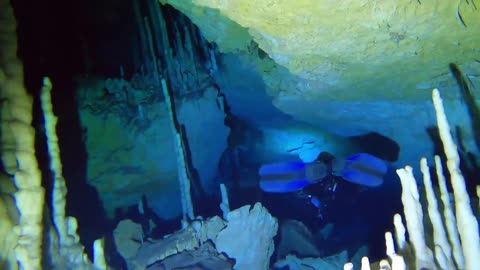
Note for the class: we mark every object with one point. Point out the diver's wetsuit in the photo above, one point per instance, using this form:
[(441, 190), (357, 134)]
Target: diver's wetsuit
[(324, 192)]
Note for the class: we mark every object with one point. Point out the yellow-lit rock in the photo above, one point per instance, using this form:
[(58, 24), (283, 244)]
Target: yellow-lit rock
[(352, 66), (353, 49)]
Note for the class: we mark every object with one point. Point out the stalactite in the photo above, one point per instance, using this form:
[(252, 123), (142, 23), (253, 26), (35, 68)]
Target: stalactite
[(189, 47), (141, 34), (180, 62), (184, 181), (213, 60), (204, 46), (194, 33), (150, 46), (183, 57), (154, 16), (178, 45), (167, 51)]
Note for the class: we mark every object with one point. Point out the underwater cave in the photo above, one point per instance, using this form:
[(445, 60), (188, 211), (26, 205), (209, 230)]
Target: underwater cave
[(170, 134)]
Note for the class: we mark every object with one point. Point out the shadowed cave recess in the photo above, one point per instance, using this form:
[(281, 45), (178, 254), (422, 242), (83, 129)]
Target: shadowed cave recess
[(188, 137)]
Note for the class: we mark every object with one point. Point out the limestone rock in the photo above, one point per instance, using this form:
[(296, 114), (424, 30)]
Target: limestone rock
[(128, 236), (248, 238), (350, 67)]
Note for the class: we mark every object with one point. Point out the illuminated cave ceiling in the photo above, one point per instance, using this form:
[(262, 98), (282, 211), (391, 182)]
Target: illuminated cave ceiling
[(354, 65)]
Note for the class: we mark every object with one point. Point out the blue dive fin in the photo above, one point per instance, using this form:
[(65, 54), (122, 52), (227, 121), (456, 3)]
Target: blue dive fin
[(283, 177), (280, 186), (364, 169), (290, 176)]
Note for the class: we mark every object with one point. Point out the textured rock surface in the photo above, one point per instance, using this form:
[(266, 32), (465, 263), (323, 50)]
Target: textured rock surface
[(205, 257), (134, 155), (128, 237), (343, 46), (296, 238), (311, 263), (252, 229), (351, 67)]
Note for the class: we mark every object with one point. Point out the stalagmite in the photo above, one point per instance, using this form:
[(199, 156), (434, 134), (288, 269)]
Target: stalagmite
[(17, 146), (467, 225)]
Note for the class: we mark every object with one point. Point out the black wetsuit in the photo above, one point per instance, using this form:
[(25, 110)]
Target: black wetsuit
[(329, 191)]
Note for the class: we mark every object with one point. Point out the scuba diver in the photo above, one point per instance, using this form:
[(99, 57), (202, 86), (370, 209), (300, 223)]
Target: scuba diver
[(324, 180)]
